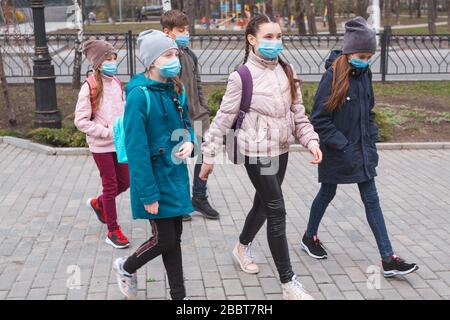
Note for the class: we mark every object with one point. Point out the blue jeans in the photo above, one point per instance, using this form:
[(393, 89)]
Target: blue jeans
[(198, 185), (369, 196)]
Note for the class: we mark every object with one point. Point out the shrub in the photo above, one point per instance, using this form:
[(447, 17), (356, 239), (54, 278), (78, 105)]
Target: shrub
[(214, 100), (67, 136), (11, 133), (384, 123)]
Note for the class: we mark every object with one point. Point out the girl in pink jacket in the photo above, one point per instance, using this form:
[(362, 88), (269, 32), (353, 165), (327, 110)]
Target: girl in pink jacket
[(100, 101), (276, 118)]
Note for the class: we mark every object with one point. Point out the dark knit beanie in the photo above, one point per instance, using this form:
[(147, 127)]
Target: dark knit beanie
[(359, 37)]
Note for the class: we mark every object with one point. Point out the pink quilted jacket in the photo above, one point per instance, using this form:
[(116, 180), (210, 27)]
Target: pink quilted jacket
[(274, 120), (99, 134)]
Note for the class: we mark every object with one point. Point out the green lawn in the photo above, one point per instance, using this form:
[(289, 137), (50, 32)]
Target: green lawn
[(424, 30)]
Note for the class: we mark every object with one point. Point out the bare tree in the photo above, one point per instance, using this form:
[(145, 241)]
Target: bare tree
[(419, 8), (287, 13), (76, 77), (397, 11), (431, 17), (311, 17), (208, 14), (300, 17), (387, 12), (5, 90), (177, 4), (109, 11), (361, 6), (331, 19), (189, 7), (448, 15), (269, 8)]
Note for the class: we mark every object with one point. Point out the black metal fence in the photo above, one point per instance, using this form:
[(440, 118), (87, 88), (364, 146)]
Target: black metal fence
[(218, 55)]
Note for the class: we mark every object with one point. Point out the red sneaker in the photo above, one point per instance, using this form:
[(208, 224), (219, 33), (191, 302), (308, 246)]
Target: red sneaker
[(117, 239), (93, 203)]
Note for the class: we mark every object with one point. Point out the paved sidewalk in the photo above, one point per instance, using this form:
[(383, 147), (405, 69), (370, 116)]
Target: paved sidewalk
[(46, 229)]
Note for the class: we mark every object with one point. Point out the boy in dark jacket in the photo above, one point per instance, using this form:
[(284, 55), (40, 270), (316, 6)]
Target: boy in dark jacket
[(176, 24)]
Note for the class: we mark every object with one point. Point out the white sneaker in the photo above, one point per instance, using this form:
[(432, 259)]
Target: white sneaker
[(127, 282), (293, 290), (243, 255)]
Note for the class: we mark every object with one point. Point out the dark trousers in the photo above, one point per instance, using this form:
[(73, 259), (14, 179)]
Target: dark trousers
[(268, 205), (115, 180), (369, 196), (165, 241)]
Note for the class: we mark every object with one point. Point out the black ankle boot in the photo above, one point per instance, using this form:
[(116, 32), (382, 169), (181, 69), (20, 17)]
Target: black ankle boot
[(202, 205)]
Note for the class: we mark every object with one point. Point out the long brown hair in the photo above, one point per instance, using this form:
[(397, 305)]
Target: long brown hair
[(252, 29), (340, 84), (98, 94)]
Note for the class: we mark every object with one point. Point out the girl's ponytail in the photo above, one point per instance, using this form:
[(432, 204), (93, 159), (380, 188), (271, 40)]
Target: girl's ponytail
[(340, 85), (98, 95)]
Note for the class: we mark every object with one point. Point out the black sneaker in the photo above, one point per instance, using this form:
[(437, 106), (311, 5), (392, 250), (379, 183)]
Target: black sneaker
[(397, 267), (313, 247), (202, 205), (187, 218)]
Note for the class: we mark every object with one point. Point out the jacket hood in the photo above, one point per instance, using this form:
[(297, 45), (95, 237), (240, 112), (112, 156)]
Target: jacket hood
[(334, 54)]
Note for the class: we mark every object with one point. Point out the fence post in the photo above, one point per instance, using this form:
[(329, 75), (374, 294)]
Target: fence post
[(385, 51), (130, 52)]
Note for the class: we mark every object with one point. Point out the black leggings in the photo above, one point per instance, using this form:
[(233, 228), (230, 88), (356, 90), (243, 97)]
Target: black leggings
[(166, 241), (269, 204)]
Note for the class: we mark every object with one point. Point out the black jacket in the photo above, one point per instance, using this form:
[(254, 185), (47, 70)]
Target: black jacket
[(347, 135)]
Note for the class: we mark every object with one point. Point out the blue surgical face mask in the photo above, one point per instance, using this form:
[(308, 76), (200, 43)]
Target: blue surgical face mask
[(171, 69), (109, 68), (182, 40), (270, 49), (360, 64)]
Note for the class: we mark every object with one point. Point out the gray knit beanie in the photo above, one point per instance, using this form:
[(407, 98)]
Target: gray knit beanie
[(152, 44), (359, 37)]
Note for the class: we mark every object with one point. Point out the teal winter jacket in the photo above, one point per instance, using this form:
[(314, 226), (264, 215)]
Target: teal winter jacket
[(151, 141)]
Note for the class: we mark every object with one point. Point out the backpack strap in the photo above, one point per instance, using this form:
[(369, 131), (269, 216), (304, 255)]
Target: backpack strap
[(147, 98), (90, 80), (247, 93)]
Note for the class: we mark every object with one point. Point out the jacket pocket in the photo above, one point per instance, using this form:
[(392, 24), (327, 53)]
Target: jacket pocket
[(342, 161)]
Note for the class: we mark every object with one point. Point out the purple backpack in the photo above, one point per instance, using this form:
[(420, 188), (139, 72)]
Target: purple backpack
[(247, 92)]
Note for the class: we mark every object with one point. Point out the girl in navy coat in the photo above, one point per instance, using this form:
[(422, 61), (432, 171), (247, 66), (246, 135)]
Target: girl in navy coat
[(344, 119)]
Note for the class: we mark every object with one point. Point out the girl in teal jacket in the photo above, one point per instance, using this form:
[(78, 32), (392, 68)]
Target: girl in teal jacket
[(158, 137)]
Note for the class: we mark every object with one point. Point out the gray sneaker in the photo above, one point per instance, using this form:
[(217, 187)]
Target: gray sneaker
[(127, 282)]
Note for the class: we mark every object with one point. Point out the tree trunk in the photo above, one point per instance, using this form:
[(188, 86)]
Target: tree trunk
[(331, 21), (410, 8), (189, 7), (311, 17), (397, 11), (431, 17), (387, 12), (109, 11), (362, 8), (4, 86), (448, 16), (177, 4), (419, 8), (76, 77), (287, 13), (300, 17), (269, 8), (208, 15)]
